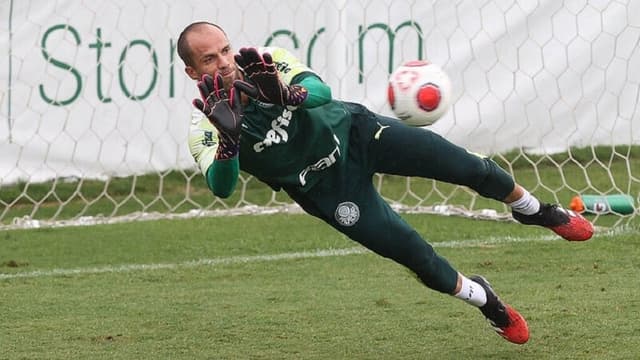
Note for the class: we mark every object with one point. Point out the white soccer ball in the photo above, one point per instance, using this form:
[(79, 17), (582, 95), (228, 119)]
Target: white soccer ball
[(419, 93)]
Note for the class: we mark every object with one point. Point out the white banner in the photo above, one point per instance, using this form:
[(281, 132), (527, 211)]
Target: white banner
[(96, 89)]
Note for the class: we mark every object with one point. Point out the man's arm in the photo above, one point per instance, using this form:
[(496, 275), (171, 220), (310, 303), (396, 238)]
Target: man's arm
[(274, 75), (222, 176), (218, 160), (319, 93), (292, 71)]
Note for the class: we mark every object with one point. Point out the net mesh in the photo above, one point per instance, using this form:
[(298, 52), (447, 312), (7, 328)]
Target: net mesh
[(94, 104)]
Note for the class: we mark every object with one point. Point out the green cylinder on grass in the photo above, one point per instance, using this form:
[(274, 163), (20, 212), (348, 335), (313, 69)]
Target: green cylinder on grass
[(603, 204)]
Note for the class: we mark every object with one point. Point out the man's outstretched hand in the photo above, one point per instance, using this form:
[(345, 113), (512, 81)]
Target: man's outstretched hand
[(223, 111), (264, 83)]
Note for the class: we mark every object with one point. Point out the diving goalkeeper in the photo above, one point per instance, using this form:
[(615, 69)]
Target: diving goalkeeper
[(264, 112)]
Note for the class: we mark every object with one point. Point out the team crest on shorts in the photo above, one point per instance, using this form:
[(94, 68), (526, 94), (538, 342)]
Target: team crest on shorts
[(347, 213)]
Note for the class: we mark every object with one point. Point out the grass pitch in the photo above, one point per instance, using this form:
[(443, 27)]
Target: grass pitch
[(289, 287)]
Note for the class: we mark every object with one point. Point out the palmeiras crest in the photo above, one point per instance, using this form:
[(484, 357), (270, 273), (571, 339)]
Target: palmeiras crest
[(347, 213)]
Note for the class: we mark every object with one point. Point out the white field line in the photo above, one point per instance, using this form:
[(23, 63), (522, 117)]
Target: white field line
[(493, 241)]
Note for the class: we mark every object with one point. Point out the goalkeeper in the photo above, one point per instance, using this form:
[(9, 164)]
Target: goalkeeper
[(264, 112)]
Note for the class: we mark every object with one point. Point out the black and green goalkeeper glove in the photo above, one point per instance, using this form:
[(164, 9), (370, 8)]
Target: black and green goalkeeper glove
[(264, 84), (223, 111)]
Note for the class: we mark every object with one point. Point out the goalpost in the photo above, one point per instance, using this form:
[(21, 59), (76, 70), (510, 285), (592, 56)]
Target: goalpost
[(94, 103)]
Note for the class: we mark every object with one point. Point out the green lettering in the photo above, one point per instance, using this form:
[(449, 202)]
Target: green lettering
[(416, 26), (391, 35), (312, 44), (98, 45), (287, 33), (61, 65), (172, 59), (123, 57)]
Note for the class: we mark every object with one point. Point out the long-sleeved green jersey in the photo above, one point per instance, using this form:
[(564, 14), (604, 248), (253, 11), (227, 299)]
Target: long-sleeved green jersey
[(279, 146)]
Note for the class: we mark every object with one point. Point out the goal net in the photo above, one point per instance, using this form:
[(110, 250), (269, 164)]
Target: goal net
[(94, 102)]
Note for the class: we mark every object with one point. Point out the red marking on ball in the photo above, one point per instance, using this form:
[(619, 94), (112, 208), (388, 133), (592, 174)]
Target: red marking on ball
[(428, 97), (391, 97), (416, 63)]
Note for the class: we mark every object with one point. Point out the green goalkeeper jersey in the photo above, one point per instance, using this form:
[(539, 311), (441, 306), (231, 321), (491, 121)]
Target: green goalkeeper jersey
[(279, 146)]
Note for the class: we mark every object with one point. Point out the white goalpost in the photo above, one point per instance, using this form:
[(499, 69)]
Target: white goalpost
[(94, 102)]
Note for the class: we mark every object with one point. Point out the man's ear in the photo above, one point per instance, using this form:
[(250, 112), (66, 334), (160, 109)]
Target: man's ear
[(191, 72)]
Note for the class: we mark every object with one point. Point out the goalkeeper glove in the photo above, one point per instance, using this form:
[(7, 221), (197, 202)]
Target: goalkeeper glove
[(223, 111), (264, 83)]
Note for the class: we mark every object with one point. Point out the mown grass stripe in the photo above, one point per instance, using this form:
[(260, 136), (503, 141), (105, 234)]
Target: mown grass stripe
[(320, 253)]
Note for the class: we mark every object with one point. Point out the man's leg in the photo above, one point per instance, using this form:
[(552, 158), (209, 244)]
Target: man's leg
[(362, 215), (358, 211), (407, 151), (527, 210)]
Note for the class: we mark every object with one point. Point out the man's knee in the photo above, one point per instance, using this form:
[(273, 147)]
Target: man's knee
[(492, 181)]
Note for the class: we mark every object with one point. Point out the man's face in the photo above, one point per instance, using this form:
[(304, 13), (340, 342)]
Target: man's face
[(211, 53)]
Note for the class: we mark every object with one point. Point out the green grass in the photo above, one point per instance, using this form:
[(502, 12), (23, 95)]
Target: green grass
[(581, 299)]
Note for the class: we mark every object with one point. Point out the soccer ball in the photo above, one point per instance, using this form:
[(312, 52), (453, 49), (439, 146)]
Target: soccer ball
[(419, 93)]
